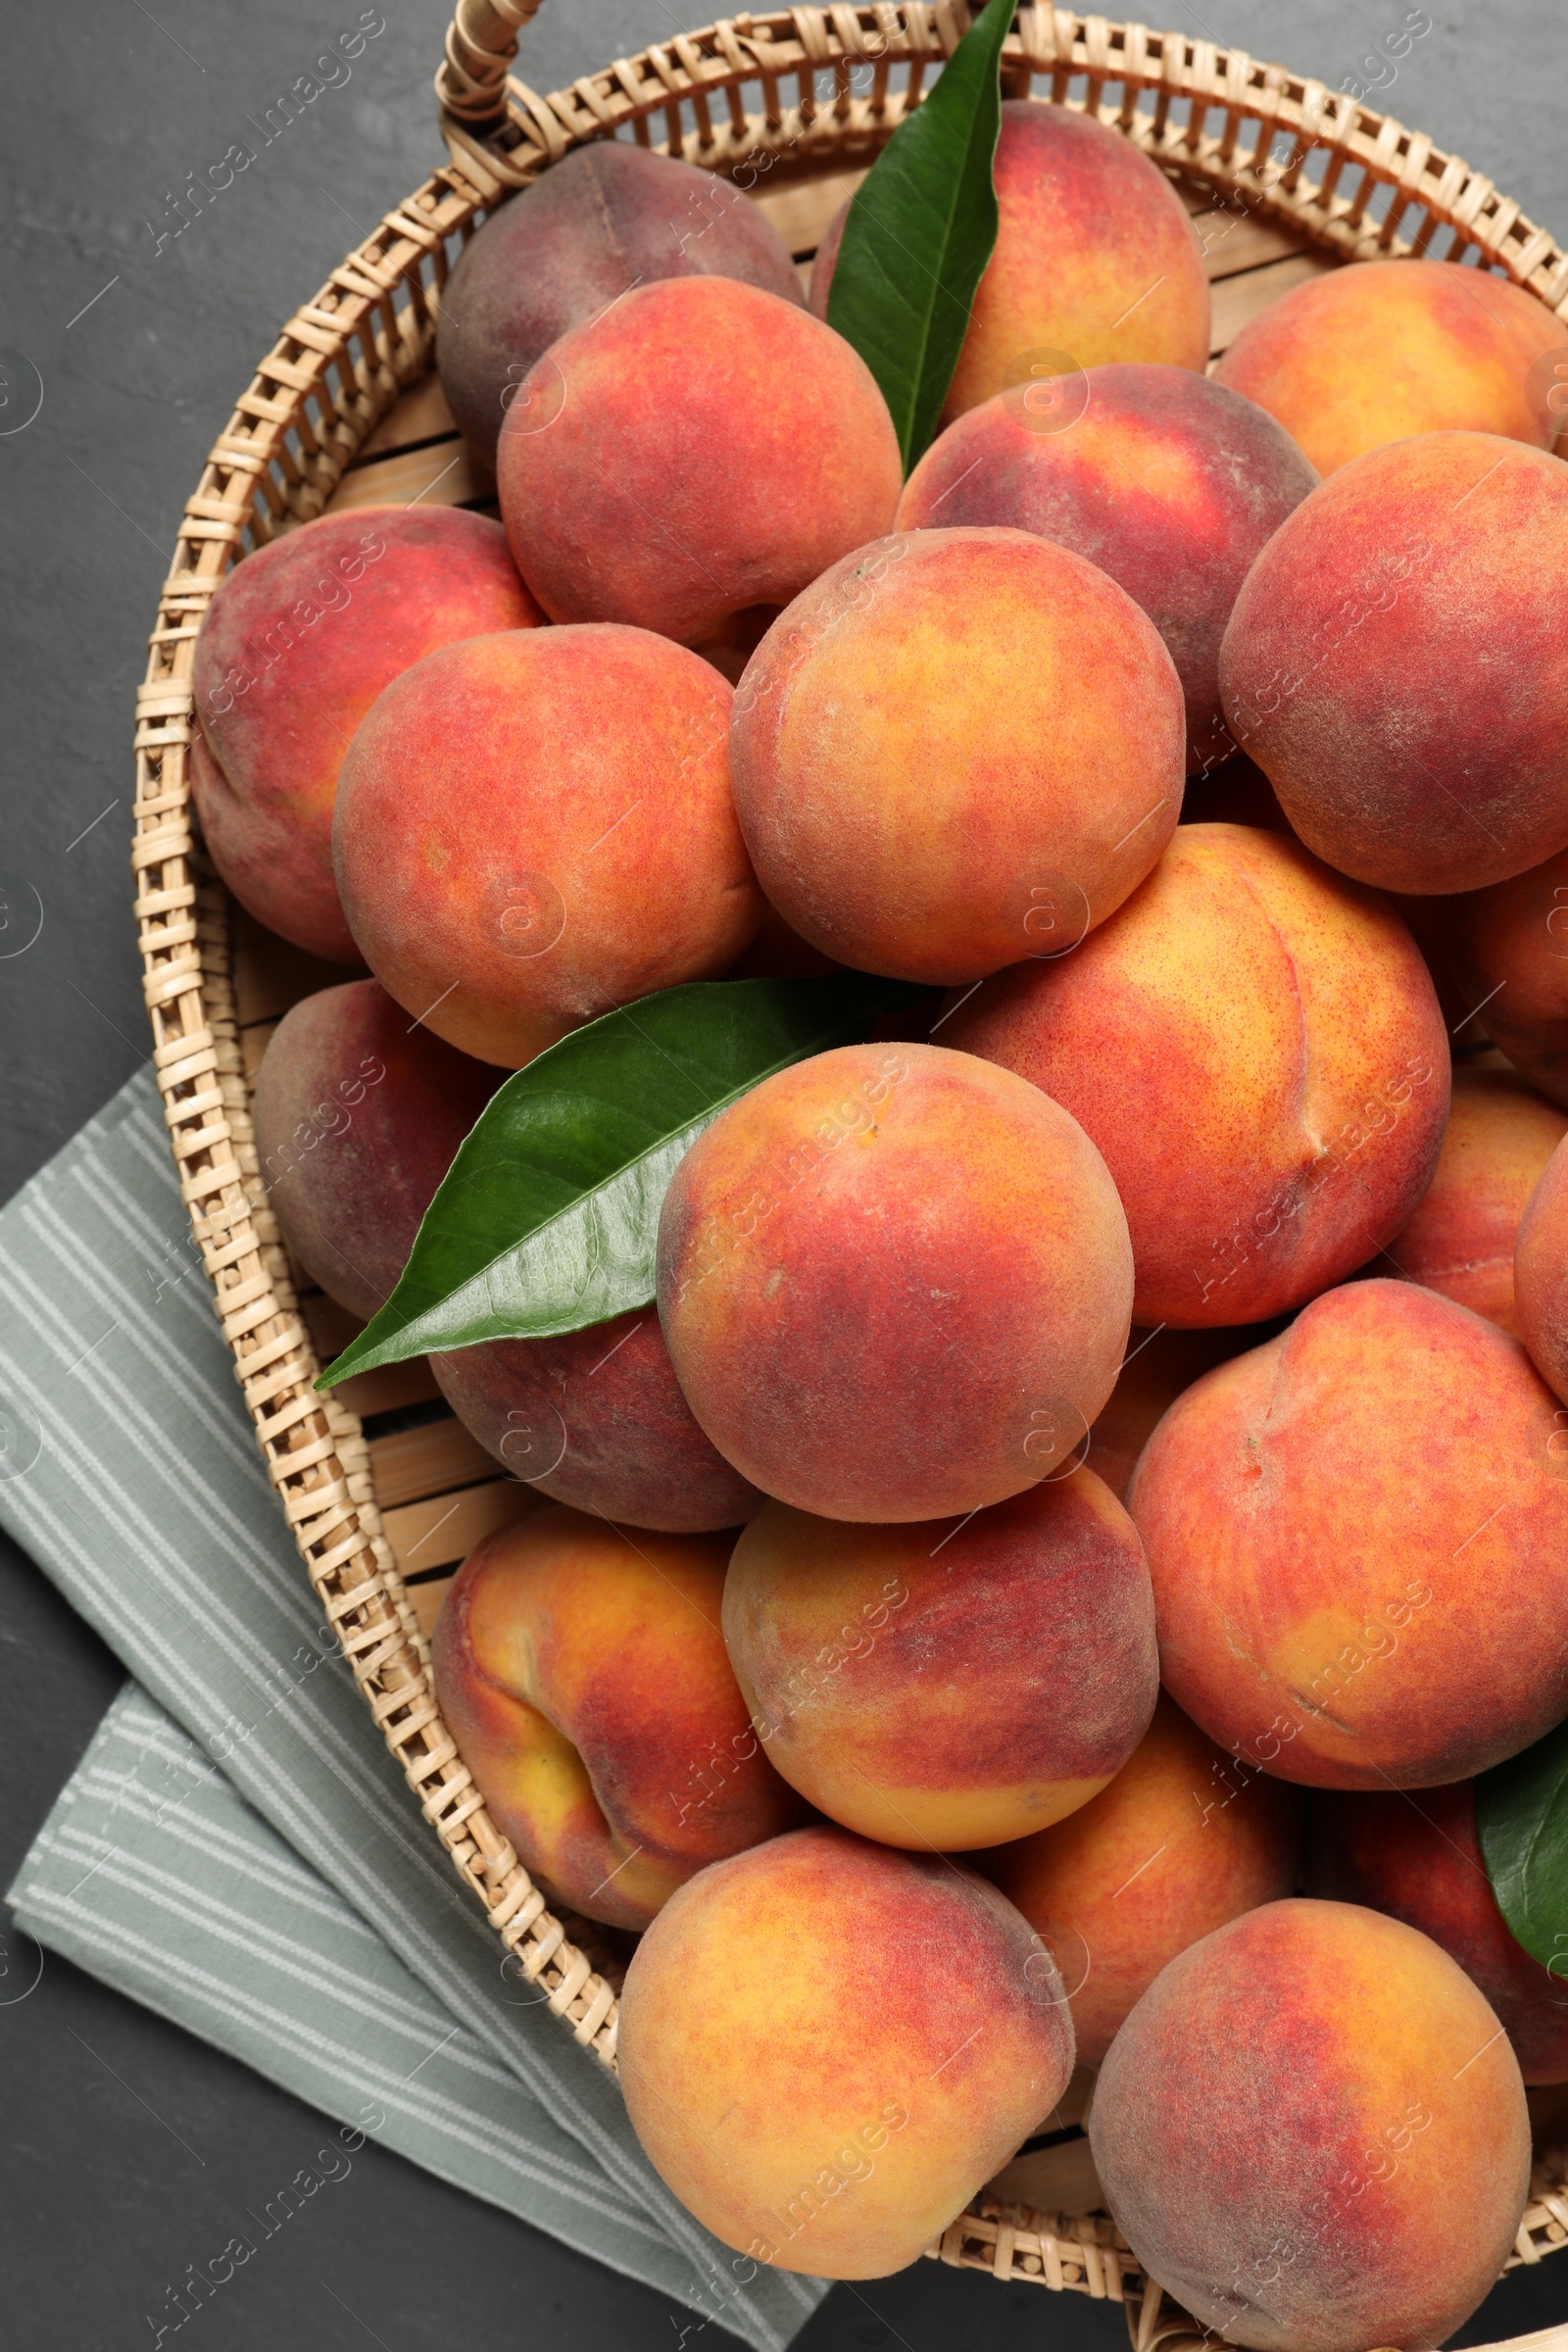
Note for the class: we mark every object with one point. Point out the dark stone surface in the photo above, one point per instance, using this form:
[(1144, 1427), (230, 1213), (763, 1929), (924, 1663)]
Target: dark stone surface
[(125, 2146)]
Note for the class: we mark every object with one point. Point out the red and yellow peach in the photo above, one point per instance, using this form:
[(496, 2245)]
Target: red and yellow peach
[(895, 1281), (1358, 1538), (1267, 1134), (957, 748), (585, 1682), (1424, 563), (828, 2047), (1461, 1241), (1302, 2192), (534, 828), (945, 1687)]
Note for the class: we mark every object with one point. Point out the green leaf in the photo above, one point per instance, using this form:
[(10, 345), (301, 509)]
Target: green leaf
[(1522, 1819), (920, 233), (548, 1218)]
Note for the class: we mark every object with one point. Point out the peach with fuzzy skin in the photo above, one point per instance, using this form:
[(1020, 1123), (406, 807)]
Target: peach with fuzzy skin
[(827, 2047), (596, 1418), (1422, 1863), (607, 216), (895, 1282), (1428, 560), (897, 1691), (1269, 1134), (955, 748), (535, 828), (650, 468), (1165, 480), (1541, 1283), (585, 1682), (297, 644), (1387, 350), (1358, 1537), (1294, 2119), (1094, 261), (1508, 952), (357, 1119), (1500, 1134), (1183, 1839)]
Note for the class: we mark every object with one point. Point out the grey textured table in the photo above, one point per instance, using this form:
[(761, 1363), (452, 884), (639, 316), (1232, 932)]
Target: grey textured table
[(126, 2150)]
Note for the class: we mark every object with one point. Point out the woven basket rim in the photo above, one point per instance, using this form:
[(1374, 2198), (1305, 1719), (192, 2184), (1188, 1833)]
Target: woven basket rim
[(333, 375)]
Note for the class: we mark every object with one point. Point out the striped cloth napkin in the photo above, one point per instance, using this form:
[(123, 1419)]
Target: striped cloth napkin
[(237, 1850)]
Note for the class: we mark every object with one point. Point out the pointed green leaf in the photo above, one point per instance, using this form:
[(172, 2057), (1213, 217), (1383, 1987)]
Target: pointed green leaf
[(1522, 1818), (548, 1218), (920, 233)]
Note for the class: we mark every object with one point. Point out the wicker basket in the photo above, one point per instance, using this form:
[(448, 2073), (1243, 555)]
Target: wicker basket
[(1285, 178)]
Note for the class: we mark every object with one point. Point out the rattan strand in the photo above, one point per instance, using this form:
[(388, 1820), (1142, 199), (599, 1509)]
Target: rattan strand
[(745, 97)]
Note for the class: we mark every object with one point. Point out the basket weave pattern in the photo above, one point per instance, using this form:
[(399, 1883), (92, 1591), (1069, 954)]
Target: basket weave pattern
[(774, 100)]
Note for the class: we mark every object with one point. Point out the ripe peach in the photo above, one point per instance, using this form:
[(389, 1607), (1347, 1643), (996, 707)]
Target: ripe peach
[(1267, 1135), (888, 1671), (533, 829), (1094, 260), (1541, 1284), (605, 218), (1419, 1859), (357, 1117), (297, 644), (585, 1682), (827, 2049), (1294, 2120), (1163, 479), (1183, 1839), (1461, 1241), (1423, 563), (699, 449), (955, 748), (596, 1418), (1358, 1537), (895, 1282), (1509, 953), (1390, 349)]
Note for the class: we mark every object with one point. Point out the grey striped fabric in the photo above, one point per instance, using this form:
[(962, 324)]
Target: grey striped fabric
[(237, 1850)]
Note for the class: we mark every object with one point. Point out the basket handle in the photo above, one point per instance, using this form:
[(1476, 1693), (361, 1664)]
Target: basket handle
[(481, 43)]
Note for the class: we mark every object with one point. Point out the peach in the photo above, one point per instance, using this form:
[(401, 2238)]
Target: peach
[(357, 1117), (1387, 350), (534, 828), (1267, 1135), (297, 644), (955, 748), (1424, 563), (895, 1282), (596, 1418), (886, 1670), (605, 218), (1508, 948), (1160, 1365), (1419, 1859), (585, 1682), (1358, 1537), (1183, 1839), (1540, 1286), (1094, 261), (1163, 479), (699, 449), (1461, 1241), (1314, 2134), (827, 2049)]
